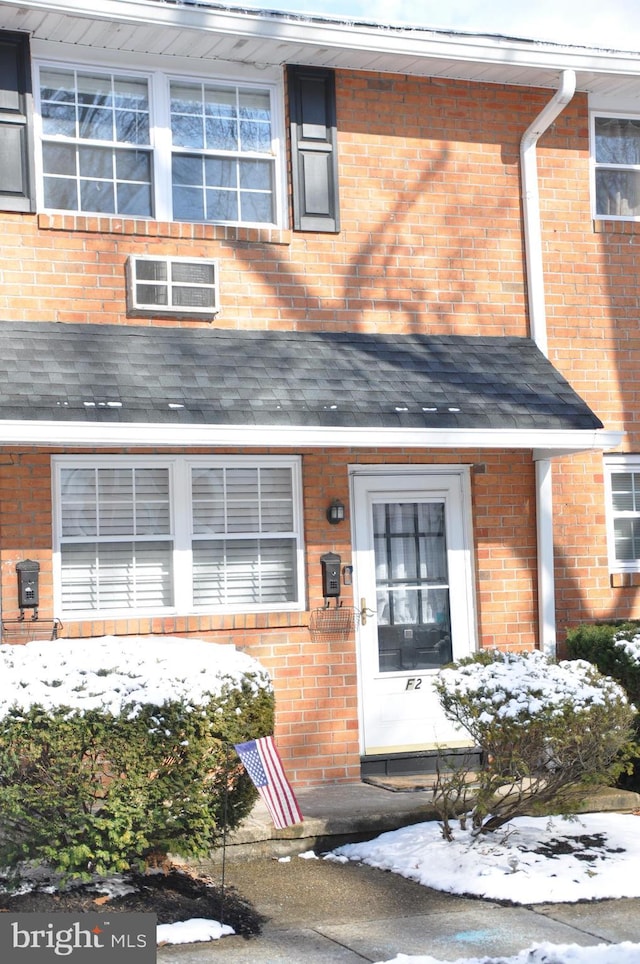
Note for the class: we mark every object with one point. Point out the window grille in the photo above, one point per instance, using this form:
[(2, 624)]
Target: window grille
[(179, 286)]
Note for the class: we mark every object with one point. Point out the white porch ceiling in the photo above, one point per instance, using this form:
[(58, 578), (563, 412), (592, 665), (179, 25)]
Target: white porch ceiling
[(215, 32)]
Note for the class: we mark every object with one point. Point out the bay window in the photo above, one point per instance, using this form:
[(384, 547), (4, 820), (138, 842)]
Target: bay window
[(177, 535), (154, 147)]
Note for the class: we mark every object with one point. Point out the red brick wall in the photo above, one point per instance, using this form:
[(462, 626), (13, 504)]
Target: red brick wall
[(592, 289), (315, 682), (431, 241), (430, 236)]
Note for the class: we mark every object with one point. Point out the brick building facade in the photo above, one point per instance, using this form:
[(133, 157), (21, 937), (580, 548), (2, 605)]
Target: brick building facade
[(376, 216)]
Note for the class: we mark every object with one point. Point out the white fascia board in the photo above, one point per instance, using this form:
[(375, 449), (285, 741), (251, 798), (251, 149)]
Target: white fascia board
[(56, 434), (317, 31)]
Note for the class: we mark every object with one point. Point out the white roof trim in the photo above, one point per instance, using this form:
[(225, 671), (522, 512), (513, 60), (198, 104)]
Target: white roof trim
[(54, 434), (281, 29)]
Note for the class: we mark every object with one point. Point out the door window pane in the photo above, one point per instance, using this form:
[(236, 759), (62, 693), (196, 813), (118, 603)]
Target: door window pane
[(414, 626)]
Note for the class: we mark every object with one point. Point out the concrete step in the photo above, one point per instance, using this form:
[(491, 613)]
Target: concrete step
[(343, 813)]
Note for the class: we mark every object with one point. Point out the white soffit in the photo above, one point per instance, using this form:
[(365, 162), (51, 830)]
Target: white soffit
[(211, 31)]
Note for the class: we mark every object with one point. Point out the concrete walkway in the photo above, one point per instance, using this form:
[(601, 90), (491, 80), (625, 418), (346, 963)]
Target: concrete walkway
[(319, 911)]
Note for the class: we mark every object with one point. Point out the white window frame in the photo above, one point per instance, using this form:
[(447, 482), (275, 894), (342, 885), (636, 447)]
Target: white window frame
[(612, 465), (598, 165), (160, 135), (182, 534)]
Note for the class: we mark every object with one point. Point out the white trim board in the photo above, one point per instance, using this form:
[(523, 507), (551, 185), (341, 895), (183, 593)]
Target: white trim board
[(91, 434)]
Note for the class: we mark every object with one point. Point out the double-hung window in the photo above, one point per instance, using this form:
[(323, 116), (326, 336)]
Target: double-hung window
[(156, 147), (222, 162), (622, 475), (180, 534), (616, 155), (96, 142)]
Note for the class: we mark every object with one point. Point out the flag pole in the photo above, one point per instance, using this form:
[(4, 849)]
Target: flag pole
[(225, 811)]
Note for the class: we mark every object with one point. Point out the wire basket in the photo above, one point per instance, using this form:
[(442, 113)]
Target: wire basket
[(29, 630), (332, 625)]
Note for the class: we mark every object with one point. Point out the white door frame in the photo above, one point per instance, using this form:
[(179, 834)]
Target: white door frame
[(466, 612)]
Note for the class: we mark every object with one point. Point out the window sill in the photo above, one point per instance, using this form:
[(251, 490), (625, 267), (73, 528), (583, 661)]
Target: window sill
[(624, 580), (208, 625), (604, 226), (180, 230)]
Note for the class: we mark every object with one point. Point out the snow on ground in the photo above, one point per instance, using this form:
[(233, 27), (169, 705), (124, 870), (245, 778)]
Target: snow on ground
[(192, 931), (626, 953), (530, 860)]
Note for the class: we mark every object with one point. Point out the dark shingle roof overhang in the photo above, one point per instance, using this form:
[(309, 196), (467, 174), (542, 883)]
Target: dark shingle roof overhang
[(197, 376)]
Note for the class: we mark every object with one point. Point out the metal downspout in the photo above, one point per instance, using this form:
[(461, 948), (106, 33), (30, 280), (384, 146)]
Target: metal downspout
[(538, 330)]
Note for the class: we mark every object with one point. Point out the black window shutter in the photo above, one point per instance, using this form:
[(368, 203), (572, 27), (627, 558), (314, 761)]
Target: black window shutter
[(314, 149), (16, 176)]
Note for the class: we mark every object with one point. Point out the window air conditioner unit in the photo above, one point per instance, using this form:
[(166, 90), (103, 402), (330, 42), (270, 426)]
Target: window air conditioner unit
[(185, 287)]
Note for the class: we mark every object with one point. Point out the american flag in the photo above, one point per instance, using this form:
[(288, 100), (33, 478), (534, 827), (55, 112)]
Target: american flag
[(262, 762)]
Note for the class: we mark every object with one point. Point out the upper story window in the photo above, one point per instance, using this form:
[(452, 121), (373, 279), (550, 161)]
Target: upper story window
[(222, 164), (616, 151), (156, 147), (623, 507)]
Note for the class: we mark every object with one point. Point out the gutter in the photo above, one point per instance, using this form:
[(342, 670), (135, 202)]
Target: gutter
[(545, 443), (538, 331), (531, 206)]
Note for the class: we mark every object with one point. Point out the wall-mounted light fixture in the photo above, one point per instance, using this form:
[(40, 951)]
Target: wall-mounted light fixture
[(335, 512)]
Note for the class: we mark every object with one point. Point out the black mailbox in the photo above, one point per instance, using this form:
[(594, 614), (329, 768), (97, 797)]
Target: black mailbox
[(28, 584), (330, 575)]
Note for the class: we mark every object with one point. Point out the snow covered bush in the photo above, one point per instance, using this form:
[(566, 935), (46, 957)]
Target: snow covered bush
[(117, 751), (547, 732)]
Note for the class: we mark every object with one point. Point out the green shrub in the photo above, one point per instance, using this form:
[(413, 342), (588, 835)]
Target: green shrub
[(603, 645), (548, 732), (614, 648), (114, 753)]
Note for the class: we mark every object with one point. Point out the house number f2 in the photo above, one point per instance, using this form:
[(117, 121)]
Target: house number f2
[(414, 683)]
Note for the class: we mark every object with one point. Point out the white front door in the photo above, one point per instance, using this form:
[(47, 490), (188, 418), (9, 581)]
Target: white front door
[(413, 581)]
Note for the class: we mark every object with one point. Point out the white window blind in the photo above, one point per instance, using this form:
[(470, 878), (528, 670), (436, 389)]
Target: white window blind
[(625, 493), (182, 534), (235, 503), (127, 563)]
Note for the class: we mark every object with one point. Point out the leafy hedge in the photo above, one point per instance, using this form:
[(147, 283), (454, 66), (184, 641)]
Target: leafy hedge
[(548, 733), (119, 772), (614, 648), (605, 645)]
